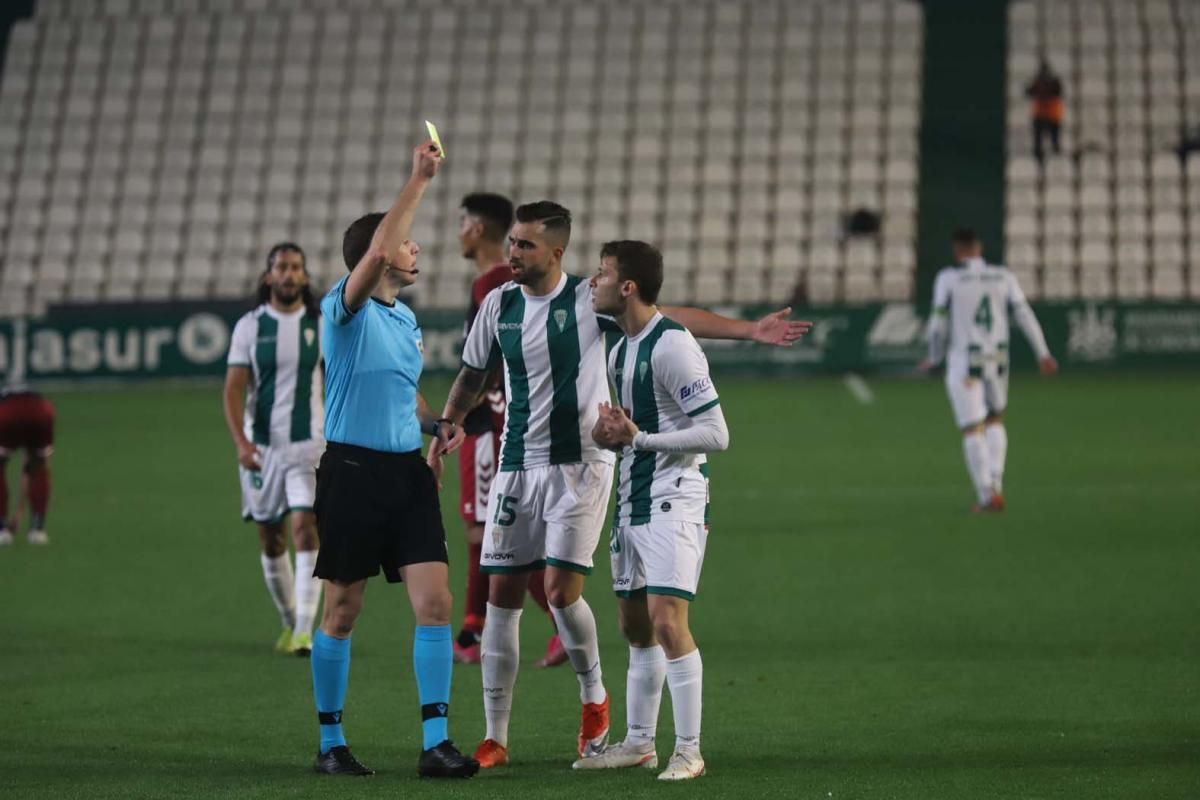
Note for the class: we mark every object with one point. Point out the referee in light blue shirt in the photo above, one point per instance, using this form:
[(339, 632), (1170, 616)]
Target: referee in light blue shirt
[(377, 499)]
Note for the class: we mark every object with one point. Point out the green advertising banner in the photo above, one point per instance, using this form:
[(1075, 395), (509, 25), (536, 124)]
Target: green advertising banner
[(183, 340)]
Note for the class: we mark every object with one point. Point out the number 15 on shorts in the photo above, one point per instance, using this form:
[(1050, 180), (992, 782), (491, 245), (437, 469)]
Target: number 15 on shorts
[(506, 513)]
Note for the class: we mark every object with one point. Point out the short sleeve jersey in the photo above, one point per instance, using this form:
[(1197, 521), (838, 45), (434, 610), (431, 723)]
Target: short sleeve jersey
[(283, 352), (373, 360), (553, 352)]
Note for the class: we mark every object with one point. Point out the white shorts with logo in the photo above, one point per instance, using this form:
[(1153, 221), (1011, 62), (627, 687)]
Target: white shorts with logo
[(286, 482), (660, 557), (550, 515), (974, 399)]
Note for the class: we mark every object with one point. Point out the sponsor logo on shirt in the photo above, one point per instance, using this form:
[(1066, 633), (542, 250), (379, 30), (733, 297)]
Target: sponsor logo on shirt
[(510, 326), (695, 388)]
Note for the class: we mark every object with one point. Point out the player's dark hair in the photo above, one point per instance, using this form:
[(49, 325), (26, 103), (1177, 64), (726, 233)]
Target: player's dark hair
[(965, 237), (639, 262), (263, 293), (555, 218), (356, 241), (494, 210)]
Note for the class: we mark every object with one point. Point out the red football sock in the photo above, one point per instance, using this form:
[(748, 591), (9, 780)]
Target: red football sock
[(477, 590), (537, 589), (38, 488)]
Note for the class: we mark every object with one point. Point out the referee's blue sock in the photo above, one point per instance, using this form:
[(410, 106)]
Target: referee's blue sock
[(433, 661), (331, 672)]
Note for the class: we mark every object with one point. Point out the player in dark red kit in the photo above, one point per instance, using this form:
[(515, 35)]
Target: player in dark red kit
[(26, 423), (486, 219)]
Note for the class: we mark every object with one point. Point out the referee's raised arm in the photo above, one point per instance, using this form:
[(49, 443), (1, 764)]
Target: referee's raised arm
[(393, 230)]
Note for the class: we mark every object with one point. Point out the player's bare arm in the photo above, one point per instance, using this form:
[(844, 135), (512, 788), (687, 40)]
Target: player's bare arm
[(237, 378), (464, 395), (393, 230), (774, 329)]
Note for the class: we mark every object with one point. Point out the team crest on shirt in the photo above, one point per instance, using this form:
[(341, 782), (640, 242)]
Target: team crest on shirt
[(642, 369), (560, 319), (310, 336)]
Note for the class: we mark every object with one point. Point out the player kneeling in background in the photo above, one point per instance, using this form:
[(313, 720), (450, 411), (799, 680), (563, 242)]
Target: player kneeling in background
[(26, 423), (275, 353), (658, 539), (975, 299)]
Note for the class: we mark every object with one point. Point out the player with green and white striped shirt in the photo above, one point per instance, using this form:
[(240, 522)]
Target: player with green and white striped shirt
[(667, 417), (275, 414), (549, 498)]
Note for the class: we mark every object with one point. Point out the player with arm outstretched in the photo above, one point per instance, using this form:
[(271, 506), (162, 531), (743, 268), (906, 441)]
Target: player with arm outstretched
[(549, 499), (667, 417), (969, 328)]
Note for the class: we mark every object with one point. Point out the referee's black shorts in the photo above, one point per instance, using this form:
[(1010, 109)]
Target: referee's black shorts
[(375, 510)]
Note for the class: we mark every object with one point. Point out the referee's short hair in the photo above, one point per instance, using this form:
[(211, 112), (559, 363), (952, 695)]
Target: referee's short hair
[(357, 238), (639, 262)]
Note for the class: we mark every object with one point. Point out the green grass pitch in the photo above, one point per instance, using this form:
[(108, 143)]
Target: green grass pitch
[(863, 636)]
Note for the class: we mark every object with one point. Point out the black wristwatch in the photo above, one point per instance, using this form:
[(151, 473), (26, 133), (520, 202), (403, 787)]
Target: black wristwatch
[(432, 430)]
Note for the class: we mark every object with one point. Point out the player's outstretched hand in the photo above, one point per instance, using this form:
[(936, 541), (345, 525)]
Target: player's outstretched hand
[(426, 159), (1048, 365), (778, 330), (248, 456)]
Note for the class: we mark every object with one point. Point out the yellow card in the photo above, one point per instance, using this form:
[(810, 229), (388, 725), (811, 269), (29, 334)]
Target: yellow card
[(433, 134)]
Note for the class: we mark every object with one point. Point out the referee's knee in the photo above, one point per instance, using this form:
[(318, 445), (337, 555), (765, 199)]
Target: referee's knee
[(432, 607)]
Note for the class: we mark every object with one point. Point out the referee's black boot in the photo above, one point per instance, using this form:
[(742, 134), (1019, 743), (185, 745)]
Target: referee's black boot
[(444, 761), (340, 761)]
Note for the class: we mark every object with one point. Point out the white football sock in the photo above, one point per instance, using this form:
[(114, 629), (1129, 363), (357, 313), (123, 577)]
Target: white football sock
[(277, 573), (643, 692), (997, 442), (577, 631), (685, 677), (308, 591), (979, 464), (500, 653)]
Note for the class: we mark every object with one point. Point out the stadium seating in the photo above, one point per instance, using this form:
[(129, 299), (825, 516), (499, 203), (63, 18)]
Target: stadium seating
[(1117, 215), (156, 148)]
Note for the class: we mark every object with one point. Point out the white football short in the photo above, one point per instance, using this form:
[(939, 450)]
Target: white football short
[(974, 399), (548, 516), (286, 482), (660, 557)]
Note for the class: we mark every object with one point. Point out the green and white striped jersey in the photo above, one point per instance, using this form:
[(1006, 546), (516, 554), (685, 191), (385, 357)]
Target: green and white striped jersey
[(553, 353), (283, 352), (975, 300), (662, 380)]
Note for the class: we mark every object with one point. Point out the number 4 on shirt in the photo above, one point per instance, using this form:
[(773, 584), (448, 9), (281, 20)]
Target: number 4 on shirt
[(983, 314)]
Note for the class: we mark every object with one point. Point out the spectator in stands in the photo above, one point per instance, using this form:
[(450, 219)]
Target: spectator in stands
[(1045, 90)]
